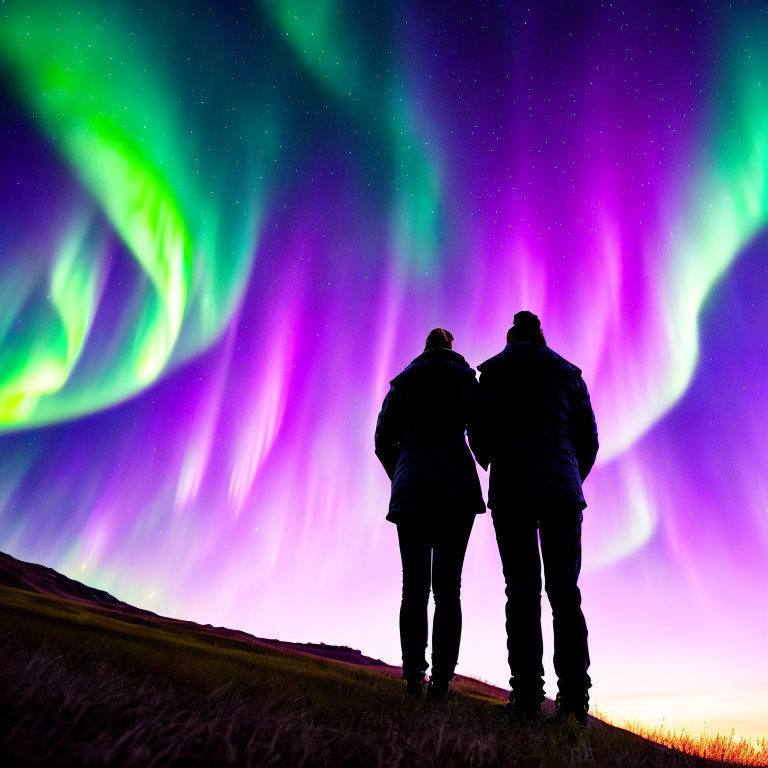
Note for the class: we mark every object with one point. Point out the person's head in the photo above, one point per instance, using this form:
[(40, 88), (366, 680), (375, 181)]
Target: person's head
[(526, 328), (439, 338)]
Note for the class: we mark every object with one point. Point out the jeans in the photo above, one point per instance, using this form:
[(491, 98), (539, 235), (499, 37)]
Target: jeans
[(559, 527), (432, 550)]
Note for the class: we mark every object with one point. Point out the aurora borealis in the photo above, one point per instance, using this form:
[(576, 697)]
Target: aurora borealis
[(224, 229)]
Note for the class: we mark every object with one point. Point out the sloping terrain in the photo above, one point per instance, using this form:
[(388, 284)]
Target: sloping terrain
[(88, 680)]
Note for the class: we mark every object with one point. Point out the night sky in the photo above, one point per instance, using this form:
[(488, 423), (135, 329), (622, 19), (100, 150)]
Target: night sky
[(225, 227)]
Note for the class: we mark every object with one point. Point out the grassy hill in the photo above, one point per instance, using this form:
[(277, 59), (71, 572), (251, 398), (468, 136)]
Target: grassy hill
[(88, 680)]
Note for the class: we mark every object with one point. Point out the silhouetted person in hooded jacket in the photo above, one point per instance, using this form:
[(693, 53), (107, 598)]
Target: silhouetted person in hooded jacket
[(534, 424), (435, 497)]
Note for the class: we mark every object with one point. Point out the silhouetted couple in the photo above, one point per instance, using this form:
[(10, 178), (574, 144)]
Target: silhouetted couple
[(529, 417)]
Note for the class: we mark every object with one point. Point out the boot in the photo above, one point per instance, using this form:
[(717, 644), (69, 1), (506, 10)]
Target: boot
[(414, 684), (520, 710), (572, 706), (437, 690)]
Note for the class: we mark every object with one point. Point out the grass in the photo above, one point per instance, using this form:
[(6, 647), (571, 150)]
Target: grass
[(79, 686), (718, 747)]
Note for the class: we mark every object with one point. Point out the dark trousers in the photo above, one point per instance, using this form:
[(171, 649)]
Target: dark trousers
[(559, 527), (432, 550)]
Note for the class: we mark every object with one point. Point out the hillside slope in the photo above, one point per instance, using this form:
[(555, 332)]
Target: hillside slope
[(87, 679)]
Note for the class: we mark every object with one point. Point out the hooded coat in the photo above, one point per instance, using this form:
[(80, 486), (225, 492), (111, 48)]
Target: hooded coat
[(420, 438), (534, 424)]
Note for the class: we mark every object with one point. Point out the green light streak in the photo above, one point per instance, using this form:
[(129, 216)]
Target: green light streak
[(713, 216), (95, 116), (728, 202), (109, 97), (328, 38), (41, 355)]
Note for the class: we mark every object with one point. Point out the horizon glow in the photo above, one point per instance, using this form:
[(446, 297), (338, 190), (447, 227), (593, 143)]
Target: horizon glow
[(224, 233)]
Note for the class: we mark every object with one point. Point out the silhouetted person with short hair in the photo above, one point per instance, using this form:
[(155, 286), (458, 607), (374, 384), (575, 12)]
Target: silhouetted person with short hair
[(534, 424), (435, 497)]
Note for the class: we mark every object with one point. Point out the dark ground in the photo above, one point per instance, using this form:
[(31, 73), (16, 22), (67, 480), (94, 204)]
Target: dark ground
[(87, 680)]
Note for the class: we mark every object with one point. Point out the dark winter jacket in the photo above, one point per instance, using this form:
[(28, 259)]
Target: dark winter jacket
[(420, 438), (534, 424)]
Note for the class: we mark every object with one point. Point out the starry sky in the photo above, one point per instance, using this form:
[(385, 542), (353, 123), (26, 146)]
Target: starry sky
[(225, 227)]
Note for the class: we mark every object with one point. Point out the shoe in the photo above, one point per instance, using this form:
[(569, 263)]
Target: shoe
[(437, 691), (519, 711), (572, 706), (414, 685)]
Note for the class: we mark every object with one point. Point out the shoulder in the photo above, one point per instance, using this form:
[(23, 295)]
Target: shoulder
[(392, 396), (494, 362), (434, 365), (566, 365), (525, 354)]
